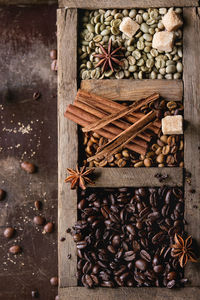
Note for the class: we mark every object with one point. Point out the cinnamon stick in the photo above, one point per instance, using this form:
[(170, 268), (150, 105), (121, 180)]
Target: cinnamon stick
[(113, 104), (110, 106), (121, 113), (110, 128), (119, 123), (123, 138), (102, 132)]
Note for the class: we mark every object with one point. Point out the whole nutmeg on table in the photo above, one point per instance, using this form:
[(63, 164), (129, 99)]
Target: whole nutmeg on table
[(2, 194), (28, 167)]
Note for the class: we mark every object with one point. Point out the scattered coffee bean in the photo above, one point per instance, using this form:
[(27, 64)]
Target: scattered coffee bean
[(54, 65), (15, 249), (69, 256), (9, 232), (54, 281), (2, 194), (36, 95), (171, 284), (141, 264), (48, 227), (38, 204), (62, 239), (35, 294), (53, 54), (192, 191), (68, 230), (38, 220), (171, 275), (28, 167)]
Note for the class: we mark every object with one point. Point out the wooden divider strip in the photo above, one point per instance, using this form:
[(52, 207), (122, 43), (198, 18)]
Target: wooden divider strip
[(191, 77), (129, 90), (67, 142)]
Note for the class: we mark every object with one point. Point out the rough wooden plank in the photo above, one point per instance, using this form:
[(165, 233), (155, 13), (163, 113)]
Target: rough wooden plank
[(67, 140), (137, 177), (78, 293), (191, 77), (124, 89), (27, 2), (88, 4)]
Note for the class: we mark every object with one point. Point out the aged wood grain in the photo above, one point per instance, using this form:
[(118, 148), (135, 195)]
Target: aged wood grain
[(187, 293), (27, 2), (67, 141), (88, 4), (137, 177), (191, 78), (123, 89)]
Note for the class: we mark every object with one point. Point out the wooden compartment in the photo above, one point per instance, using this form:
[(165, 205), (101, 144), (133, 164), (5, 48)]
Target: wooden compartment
[(67, 20)]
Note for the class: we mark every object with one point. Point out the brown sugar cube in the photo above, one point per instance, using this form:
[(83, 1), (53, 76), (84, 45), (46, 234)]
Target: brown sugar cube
[(163, 41), (129, 27), (172, 21), (172, 125)]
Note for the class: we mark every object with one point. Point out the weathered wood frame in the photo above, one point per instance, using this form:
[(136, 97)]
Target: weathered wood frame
[(68, 149)]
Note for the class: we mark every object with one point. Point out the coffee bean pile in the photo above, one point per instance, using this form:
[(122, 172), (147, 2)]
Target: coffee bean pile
[(123, 237)]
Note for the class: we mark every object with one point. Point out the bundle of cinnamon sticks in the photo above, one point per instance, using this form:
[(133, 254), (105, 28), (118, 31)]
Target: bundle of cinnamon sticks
[(121, 125)]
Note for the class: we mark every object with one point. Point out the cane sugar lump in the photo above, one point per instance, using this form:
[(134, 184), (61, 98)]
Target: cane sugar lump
[(172, 125), (163, 41), (172, 21), (129, 27)]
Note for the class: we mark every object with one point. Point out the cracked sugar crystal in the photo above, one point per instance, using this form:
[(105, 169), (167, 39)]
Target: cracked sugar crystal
[(172, 21), (163, 41), (172, 125)]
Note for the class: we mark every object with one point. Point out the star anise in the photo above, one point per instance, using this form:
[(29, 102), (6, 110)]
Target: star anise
[(182, 250), (109, 57), (79, 177)]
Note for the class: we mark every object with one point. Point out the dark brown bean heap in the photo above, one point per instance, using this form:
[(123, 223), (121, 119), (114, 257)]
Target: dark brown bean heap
[(123, 237)]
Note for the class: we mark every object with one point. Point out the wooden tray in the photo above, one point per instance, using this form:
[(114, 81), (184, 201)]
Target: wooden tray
[(67, 18)]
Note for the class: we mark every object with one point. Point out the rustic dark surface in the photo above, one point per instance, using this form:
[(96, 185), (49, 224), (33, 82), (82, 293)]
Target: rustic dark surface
[(28, 131)]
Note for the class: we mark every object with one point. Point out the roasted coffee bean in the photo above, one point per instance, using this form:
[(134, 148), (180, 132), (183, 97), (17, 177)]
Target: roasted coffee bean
[(171, 276), (54, 65), (141, 264), (171, 284), (38, 220), (158, 268), (123, 237), (38, 204), (145, 255), (35, 294), (9, 232), (53, 54), (2, 194), (81, 244), (82, 204), (15, 249), (130, 228), (54, 281), (28, 167), (48, 228)]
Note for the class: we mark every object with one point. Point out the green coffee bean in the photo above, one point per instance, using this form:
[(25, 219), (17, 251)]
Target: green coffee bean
[(144, 28), (150, 63), (125, 12), (90, 27), (151, 30), (140, 45), (136, 54), (131, 60), (162, 11), (132, 13), (130, 48), (147, 49), (170, 62), (86, 75), (176, 75), (107, 13), (108, 73), (159, 76), (139, 19), (127, 73), (140, 75), (145, 16), (132, 68), (115, 30), (154, 52), (97, 18), (118, 16), (170, 69), (116, 22), (160, 63), (162, 71), (148, 37), (89, 65), (105, 32), (168, 76), (140, 62), (153, 75), (179, 67), (119, 75)]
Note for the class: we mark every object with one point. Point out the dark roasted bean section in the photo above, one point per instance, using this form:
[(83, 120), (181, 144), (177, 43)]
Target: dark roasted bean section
[(123, 237)]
